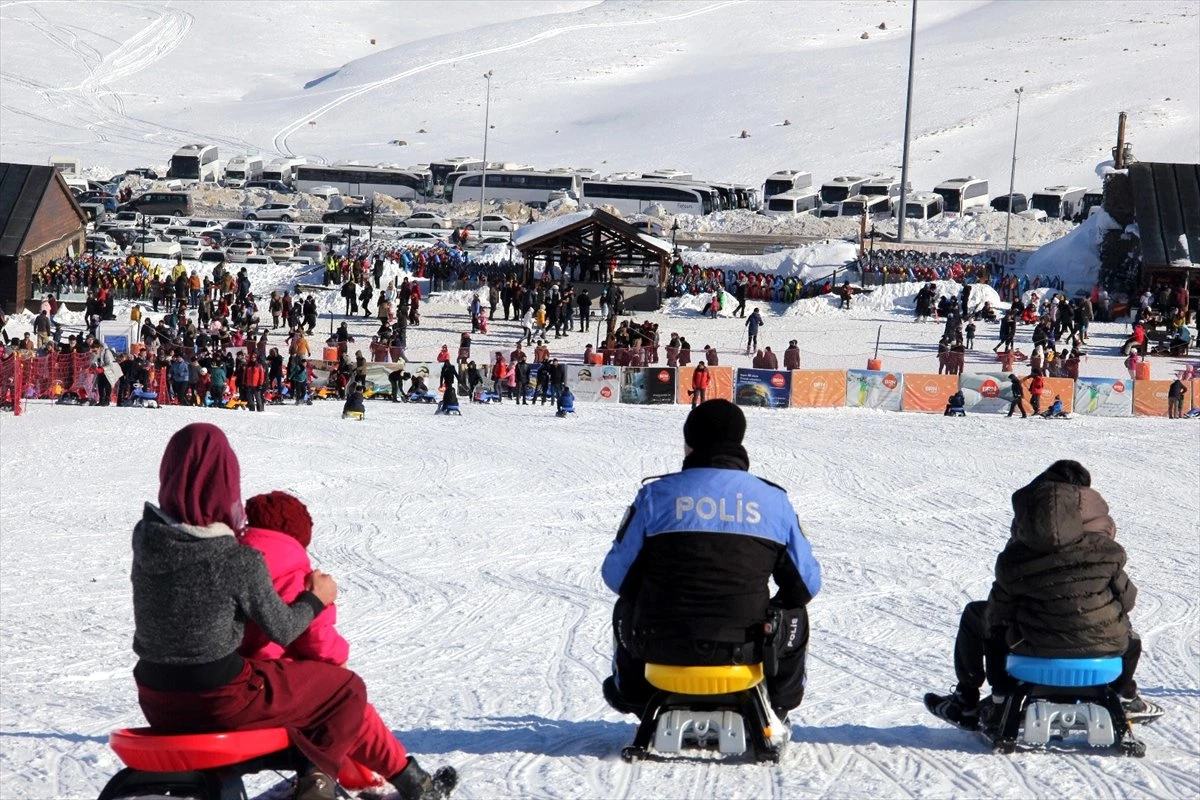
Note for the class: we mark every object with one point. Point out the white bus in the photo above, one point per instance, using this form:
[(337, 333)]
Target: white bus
[(440, 170), (837, 189), (875, 206), (923, 205), (282, 170), (241, 169), (786, 180), (635, 197), (354, 179), (529, 186), (796, 201), (963, 194), (883, 185), (195, 163), (1059, 202), (667, 175)]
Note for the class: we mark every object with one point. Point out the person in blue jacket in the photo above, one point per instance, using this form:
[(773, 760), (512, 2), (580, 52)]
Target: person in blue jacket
[(566, 402), (691, 563)]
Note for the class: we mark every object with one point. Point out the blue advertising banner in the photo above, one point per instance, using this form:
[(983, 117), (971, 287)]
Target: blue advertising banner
[(765, 388), (1103, 397)]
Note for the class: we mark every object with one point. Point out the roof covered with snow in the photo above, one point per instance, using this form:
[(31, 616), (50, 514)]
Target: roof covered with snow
[(1166, 200)]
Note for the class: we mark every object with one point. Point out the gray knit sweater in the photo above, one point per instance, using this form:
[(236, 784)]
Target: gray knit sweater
[(193, 591)]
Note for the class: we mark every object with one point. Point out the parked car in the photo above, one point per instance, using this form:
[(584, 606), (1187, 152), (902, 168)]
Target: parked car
[(239, 250), (177, 204), (487, 241), (160, 223), (279, 187), (280, 249), (275, 228), (198, 226), (176, 231), (352, 214), (127, 219), (421, 236), (212, 257), (102, 245), (152, 246), (299, 261), (325, 192), (285, 212), (104, 198), (260, 260), (236, 226), (123, 236), (491, 222), (312, 250), (190, 247), (312, 233), (425, 219), (144, 172)]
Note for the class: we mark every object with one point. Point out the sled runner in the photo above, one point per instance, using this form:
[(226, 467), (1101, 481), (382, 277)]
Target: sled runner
[(448, 410), (209, 766), (698, 707), (358, 415), (1054, 701), (484, 396), (427, 397)]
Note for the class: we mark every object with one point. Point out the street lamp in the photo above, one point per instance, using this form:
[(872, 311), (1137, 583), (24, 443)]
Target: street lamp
[(674, 231), (487, 110), (912, 55), (1012, 175)]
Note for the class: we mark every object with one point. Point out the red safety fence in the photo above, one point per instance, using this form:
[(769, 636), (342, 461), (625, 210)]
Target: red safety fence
[(49, 377)]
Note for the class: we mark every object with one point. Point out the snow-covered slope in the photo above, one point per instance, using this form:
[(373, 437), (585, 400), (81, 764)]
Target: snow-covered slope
[(468, 551), (613, 85)]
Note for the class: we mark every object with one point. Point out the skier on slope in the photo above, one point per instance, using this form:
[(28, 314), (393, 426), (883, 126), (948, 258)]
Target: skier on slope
[(692, 585), (1060, 592), (194, 589)]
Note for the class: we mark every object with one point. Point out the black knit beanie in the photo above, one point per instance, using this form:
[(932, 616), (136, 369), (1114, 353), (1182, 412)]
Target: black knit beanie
[(1066, 471), (714, 423)]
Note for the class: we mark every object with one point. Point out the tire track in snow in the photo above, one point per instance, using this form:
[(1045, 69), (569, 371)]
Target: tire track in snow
[(280, 141)]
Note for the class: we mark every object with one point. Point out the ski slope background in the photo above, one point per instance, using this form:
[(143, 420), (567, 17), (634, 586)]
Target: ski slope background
[(610, 85), (468, 550)]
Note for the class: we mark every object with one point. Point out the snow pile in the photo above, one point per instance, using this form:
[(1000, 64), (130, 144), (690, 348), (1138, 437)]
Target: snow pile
[(988, 227), (1075, 257), (748, 222), (807, 263)]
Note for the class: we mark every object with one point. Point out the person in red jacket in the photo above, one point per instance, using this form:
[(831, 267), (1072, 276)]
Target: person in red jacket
[(499, 374), (700, 381), (280, 527), (255, 380), (1037, 385)]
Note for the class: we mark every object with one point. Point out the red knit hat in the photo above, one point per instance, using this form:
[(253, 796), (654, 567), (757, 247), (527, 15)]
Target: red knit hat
[(280, 511)]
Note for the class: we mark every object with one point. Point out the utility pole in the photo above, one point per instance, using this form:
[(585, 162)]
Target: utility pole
[(487, 110), (1012, 175), (912, 54)]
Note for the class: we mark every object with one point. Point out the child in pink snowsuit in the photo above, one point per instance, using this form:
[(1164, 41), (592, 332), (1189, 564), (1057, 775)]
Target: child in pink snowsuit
[(280, 528)]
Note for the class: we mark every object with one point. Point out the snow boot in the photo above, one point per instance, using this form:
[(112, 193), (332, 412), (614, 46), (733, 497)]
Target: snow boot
[(414, 783), (617, 701), (1139, 711), (955, 709)]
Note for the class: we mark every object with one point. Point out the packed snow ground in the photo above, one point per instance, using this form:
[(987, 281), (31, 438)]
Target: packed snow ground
[(468, 552), (615, 86)]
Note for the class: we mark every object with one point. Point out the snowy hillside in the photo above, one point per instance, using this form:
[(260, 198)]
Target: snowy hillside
[(613, 85)]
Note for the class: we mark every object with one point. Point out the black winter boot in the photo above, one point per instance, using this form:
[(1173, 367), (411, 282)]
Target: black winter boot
[(414, 783)]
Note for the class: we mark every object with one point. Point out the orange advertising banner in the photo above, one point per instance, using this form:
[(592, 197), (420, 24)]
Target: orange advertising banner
[(1150, 398), (818, 388), (928, 393), (1192, 402), (720, 385), (1063, 389)]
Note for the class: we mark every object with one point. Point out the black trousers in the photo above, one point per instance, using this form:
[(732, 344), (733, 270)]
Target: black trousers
[(1016, 406), (980, 654), (785, 688)]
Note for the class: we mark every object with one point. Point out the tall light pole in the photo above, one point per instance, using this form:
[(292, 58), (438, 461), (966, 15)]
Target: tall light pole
[(912, 55), (1012, 175), (487, 111)]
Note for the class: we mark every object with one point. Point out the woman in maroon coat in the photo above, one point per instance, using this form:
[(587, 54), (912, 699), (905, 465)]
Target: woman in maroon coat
[(194, 588)]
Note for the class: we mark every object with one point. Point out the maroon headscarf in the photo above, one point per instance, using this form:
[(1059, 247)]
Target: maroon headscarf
[(199, 478)]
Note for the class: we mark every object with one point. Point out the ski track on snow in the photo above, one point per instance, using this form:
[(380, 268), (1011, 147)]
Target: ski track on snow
[(280, 140)]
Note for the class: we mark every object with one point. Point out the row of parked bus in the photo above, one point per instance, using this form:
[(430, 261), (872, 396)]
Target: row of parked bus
[(790, 192), (670, 192)]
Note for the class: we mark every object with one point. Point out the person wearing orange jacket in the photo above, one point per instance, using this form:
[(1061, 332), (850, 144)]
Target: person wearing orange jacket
[(1036, 385), (700, 381), (254, 378)]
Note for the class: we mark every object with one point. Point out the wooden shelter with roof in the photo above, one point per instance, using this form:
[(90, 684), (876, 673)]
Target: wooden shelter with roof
[(1166, 201), (604, 247), (39, 221)]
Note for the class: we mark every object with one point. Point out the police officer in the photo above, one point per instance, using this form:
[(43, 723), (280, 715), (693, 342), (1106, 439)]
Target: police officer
[(690, 566)]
